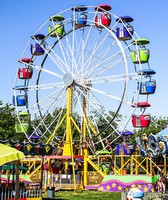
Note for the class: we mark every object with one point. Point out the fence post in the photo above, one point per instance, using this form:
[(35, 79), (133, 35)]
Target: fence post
[(17, 181)]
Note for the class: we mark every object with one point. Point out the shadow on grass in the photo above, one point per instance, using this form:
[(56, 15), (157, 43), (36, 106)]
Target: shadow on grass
[(56, 197), (84, 195)]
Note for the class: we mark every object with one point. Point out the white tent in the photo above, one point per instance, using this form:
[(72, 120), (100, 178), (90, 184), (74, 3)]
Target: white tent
[(163, 134)]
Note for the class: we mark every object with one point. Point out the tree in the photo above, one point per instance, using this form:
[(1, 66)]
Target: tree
[(7, 122), (51, 122)]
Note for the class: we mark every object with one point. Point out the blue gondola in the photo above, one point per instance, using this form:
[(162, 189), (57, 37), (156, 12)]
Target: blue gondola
[(146, 72), (19, 100), (147, 87), (79, 18)]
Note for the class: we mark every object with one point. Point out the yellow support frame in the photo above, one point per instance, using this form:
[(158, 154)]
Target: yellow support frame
[(85, 150), (146, 164), (68, 146)]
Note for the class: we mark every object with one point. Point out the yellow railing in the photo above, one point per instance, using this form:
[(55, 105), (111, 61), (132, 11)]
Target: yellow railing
[(136, 164)]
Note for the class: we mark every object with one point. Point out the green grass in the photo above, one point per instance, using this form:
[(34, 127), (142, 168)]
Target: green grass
[(84, 195)]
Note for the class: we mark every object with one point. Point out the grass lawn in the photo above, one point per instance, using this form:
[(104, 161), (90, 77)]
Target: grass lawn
[(84, 195)]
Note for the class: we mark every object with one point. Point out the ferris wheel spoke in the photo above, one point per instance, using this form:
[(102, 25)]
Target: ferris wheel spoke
[(47, 101), (54, 123), (114, 78), (118, 99), (56, 59), (44, 105), (95, 50), (47, 128), (71, 55), (104, 52), (80, 54), (103, 62), (63, 52), (95, 105), (106, 94), (84, 53), (103, 69), (73, 48), (43, 86), (46, 71), (52, 99), (99, 69)]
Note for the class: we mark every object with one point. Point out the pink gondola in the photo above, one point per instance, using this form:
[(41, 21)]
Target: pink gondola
[(102, 19), (25, 73), (140, 121)]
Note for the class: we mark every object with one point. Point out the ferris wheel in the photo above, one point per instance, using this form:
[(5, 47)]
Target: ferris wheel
[(81, 77)]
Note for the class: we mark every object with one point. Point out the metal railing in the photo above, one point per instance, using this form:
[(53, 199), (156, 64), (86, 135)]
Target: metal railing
[(66, 181), (8, 192), (60, 181)]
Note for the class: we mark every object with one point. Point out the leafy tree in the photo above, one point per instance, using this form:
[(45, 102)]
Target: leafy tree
[(8, 119), (52, 120), (107, 129), (7, 122)]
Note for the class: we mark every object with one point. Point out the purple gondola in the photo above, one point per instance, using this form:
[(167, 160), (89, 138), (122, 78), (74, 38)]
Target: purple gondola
[(125, 31), (38, 48)]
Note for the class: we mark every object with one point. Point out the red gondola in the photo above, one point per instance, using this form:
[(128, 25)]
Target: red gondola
[(140, 121), (25, 73), (141, 104), (103, 19)]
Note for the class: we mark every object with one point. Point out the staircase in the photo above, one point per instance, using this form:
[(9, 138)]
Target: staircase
[(103, 174)]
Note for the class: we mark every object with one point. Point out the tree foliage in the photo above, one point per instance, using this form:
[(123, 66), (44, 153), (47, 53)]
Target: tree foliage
[(8, 119), (156, 125), (52, 122), (7, 122)]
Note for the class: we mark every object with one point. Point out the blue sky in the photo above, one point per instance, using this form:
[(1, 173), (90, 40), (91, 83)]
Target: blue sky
[(20, 19)]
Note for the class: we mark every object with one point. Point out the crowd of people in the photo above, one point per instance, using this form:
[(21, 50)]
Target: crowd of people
[(162, 183), (58, 167)]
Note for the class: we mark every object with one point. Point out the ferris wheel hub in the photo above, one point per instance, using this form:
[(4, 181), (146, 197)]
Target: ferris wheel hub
[(68, 79), (88, 83)]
